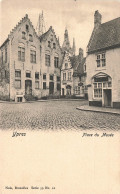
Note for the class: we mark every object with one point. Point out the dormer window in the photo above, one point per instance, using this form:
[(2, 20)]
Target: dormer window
[(30, 37), (27, 28), (49, 44), (54, 45), (23, 35)]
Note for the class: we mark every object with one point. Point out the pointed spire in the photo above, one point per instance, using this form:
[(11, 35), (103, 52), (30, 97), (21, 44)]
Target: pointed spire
[(74, 47), (41, 25)]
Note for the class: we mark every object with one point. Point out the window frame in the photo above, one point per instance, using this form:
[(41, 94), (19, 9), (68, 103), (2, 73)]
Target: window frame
[(32, 56), (47, 60)]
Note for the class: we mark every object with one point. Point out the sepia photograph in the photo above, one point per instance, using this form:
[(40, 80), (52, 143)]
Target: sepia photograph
[(60, 96)]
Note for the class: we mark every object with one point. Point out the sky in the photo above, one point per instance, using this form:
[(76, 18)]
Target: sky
[(76, 15)]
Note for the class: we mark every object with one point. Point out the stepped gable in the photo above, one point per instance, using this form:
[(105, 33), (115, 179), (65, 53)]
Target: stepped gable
[(106, 36), (17, 25), (44, 36), (22, 21)]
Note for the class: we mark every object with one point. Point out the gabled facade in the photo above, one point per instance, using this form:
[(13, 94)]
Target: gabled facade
[(73, 76), (29, 65), (66, 76), (20, 63), (103, 63), (50, 60)]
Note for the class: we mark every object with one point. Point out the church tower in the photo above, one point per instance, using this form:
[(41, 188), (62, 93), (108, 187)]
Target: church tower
[(66, 43), (74, 47)]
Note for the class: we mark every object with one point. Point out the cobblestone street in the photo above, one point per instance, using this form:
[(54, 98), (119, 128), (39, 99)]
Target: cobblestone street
[(54, 115)]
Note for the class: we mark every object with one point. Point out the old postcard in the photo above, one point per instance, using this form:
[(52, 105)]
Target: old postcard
[(60, 97)]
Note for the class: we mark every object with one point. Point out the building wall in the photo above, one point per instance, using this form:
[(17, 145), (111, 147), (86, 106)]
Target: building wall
[(50, 70), (4, 71), (112, 68), (66, 82), (15, 64)]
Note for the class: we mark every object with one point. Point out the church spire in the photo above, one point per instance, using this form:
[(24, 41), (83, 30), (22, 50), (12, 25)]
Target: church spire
[(74, 47), (66, 43), (41, 25)]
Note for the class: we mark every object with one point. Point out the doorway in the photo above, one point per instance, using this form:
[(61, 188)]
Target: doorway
[(107, 98), (28, 87), (51, 88), (63, 92), (68, 88)]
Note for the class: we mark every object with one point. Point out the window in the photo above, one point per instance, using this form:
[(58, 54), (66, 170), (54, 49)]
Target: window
[(44, 76), (101, 60), (21, 54), (36, 75), (56, 62), (28, 74), (69, 75), (17, 73), (27, 28), (23, 35), (47, 60), (84, 67), (49, 44), (58, 86), (77, 90), (36, 84), (51, 77), (64, 76), (44, 85), (6, 55), (98, 90), (66, 65), (30, 37), (18, 79), (54, 45), (32, 56), (58, 78), (98, 60)]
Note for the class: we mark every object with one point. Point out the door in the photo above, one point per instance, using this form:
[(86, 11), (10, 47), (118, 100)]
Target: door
[(107, 98), (62, 91), (28, 87), (68, 90), (51, 87)]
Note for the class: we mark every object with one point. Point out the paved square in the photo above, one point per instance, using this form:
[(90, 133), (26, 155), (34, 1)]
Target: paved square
[(54, 115)]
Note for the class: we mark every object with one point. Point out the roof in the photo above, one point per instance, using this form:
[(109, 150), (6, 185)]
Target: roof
[(75, 61), (80, 68), (4, 43), (106, 36)]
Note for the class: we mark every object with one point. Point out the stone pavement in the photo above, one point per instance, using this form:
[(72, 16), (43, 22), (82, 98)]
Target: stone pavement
[(99, 109)]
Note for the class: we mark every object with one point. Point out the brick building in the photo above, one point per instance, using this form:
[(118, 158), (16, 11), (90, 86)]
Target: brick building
[(29, 65), (103, 63)]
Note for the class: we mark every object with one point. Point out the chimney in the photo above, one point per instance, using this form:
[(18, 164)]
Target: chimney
[(81, 53), (97, 19)]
